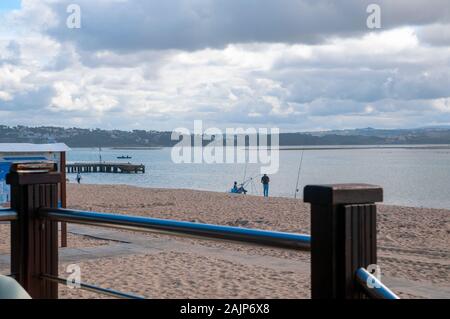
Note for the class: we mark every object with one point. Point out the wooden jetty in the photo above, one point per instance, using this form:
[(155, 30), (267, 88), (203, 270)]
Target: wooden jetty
[(103, 167)]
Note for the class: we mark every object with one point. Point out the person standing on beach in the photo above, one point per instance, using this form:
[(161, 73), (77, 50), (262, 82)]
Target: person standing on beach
[(79, 178), (265, 181)]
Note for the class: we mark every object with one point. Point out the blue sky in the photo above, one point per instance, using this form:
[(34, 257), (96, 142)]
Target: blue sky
[(300, 65), (7, 5)]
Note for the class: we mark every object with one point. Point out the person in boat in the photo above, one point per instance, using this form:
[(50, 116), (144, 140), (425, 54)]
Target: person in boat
[(265, 180)]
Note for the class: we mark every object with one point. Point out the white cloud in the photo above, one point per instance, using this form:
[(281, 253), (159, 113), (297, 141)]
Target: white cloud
[(5, 96), (442, 105), (70, 97), (234, 70), (12, 80)]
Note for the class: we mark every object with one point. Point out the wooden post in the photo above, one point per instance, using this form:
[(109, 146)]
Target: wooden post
[(343, 237), (63, 198), (34, 241)]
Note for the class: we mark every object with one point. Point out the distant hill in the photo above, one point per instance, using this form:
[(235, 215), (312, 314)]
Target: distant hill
[(77, 137), (369, 136)]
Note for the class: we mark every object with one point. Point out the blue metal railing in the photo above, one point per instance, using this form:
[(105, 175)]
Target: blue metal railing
[(7, 215), (93, 288), (264, 237), (376, 290)]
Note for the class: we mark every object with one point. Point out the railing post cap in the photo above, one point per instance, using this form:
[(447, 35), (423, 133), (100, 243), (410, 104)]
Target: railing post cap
[(15, 178), (44, 172), (342, 194)]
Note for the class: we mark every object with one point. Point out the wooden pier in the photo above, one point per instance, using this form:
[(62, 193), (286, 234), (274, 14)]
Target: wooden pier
[(114, 168)]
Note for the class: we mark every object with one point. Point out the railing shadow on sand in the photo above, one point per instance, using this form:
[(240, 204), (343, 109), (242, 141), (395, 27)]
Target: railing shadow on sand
[(342, 241)]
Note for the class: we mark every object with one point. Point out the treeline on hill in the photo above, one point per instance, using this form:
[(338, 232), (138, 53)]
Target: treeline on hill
[(129, 139), (76, 137)]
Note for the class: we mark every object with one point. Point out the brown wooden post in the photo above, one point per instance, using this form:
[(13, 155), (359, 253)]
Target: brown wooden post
[(343, 237), (34, 241), (63, 198)]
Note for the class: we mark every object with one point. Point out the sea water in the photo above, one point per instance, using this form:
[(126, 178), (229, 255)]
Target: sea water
[(418, 176)]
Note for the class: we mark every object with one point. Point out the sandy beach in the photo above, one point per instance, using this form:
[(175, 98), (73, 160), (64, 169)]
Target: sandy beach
[(413, 245)]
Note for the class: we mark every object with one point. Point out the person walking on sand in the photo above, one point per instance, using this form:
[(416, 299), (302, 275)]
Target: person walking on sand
[(78, 178), (265, 181)]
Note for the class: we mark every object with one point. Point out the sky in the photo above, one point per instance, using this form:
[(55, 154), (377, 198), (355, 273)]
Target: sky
[(299, 65), (7, 5)]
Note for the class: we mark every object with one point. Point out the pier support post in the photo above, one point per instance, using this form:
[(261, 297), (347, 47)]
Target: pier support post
[(34, 241), (343, 237)]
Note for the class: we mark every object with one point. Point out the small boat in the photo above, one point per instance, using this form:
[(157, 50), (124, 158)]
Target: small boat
[(124, 157)]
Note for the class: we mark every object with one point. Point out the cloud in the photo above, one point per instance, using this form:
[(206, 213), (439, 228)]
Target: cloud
[(28, 102), (435, 34), (127, 25), (296, 64), (11, 53), (70, 97), (12, 78)]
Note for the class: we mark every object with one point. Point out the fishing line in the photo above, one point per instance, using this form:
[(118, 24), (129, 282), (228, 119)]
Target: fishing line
[(298, 175)]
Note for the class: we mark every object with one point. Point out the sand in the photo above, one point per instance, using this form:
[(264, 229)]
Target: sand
[(76, 241), (184, 275), (413, 244)]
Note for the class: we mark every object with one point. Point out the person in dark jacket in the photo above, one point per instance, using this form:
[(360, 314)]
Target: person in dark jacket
[(265, 181)]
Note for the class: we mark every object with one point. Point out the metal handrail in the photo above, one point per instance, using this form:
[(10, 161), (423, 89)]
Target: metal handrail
[(246, 235), (8, 215), (89, 287), (377, 290)]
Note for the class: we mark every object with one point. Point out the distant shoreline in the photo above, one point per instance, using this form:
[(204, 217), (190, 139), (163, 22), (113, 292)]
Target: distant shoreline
[(305, 148), (150, 140), (137, 148), (352, 147)]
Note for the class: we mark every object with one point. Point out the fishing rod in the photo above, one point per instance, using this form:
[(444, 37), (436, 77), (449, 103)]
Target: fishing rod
[(250, 181), (298, 175)]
